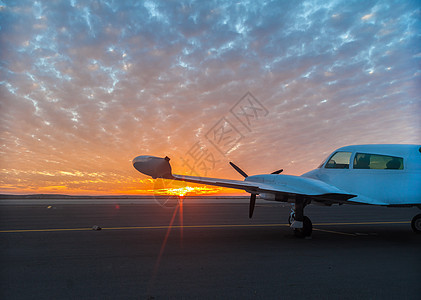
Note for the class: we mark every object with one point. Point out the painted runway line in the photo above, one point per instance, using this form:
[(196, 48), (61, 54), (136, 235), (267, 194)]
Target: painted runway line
[(205, 226)]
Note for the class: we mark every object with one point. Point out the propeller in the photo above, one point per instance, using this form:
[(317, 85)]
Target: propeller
[(252, 204), (239, 170), (252, 196)]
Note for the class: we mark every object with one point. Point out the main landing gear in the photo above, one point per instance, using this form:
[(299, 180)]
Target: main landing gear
[(303, 227), (416, 223), (301, 224)]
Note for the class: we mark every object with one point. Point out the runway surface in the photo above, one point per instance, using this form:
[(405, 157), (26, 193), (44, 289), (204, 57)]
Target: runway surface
[(205, 250)]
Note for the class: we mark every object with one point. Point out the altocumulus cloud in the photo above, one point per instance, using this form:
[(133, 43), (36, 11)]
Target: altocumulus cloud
[(88, 85)]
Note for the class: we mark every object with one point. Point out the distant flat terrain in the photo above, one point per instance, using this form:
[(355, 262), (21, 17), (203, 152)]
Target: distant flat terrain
[(155, 249)]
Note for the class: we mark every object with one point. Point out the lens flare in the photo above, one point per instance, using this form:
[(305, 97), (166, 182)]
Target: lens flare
[(161, 251)]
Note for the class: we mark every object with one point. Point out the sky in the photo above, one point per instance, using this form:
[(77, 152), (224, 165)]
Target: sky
[(86, 86)]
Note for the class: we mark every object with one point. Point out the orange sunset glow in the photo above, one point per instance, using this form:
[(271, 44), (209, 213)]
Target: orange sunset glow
[(88, 86)]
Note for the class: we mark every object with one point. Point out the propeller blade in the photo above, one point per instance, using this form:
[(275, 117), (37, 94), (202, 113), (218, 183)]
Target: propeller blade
[(239, 170), (277, 172), (252, 204)]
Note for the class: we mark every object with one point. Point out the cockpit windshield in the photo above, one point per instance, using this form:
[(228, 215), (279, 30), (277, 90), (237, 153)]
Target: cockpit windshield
[(339, 160)]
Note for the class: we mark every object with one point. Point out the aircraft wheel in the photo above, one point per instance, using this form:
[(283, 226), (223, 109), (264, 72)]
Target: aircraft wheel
[(291, 218), (306, 230), (416, 223)]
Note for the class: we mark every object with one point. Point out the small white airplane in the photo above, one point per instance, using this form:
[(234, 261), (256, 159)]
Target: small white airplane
[(387, 175)]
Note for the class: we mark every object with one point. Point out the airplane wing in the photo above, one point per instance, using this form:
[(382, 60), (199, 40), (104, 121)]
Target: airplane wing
[(281, 187), (278, 187)]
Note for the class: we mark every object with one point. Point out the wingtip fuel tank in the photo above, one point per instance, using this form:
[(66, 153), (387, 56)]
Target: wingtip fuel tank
[(153, 166)]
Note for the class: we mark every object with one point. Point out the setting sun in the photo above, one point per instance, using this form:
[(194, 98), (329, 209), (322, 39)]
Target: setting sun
[(192, 191)]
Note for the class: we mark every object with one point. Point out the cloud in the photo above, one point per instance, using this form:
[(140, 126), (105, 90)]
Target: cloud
[(87, 86)]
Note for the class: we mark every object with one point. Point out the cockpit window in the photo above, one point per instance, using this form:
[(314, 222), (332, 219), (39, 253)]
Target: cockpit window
[(376, 161), (339, 160)]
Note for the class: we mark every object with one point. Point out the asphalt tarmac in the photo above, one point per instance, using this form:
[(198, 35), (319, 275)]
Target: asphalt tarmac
[(204, 251)]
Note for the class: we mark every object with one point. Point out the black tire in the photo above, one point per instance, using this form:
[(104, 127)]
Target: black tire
[(416, 224), (307, 226), (306, 230)]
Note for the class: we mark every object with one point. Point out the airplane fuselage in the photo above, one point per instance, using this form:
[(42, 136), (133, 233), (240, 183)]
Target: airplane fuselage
[(391, 174)]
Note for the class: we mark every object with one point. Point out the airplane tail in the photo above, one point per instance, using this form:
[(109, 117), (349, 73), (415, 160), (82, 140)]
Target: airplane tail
[(153, 166)]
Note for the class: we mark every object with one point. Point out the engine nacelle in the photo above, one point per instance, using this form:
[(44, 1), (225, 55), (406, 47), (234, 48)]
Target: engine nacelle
[(273, 197)]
